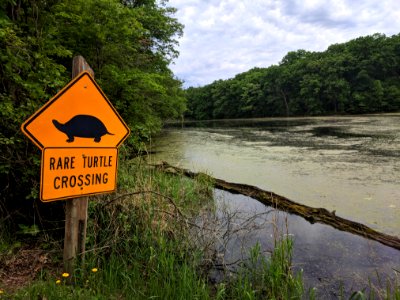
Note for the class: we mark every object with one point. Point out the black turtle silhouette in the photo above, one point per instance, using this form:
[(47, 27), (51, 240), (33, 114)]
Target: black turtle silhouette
[(84, 126)]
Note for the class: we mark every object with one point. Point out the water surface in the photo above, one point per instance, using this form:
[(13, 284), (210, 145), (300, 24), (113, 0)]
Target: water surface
[(347, 164), (334, 262)]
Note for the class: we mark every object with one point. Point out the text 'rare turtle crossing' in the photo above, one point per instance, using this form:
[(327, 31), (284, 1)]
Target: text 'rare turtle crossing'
[(79, 132)]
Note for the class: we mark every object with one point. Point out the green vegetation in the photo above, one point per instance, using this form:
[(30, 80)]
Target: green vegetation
[(140, 246), (272, 278), (129, 45), (360, 76)]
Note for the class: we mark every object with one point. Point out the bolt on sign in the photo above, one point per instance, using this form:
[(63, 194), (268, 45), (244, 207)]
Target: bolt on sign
[(79, 132)]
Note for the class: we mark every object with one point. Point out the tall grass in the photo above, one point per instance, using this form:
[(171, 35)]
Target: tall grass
[(142, 237), (139, 247), (267, 278)]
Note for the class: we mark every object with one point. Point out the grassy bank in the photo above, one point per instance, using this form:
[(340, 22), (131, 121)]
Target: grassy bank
[(140, 244)]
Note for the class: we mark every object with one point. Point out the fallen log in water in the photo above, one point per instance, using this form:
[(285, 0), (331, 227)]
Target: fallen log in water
[(311, 214)]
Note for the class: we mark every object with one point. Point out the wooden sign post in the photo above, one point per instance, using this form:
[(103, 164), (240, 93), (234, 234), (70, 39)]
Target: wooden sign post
[(79, 132), (76, 209)]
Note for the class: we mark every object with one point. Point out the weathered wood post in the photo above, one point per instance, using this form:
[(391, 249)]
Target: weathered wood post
[(76, 209)]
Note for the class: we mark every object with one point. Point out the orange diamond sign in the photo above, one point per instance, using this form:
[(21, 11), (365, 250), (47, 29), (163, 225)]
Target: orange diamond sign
[(79, 132), (80, 115)]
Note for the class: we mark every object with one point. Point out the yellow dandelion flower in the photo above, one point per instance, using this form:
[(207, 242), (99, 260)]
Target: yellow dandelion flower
[(65, 275), (58, 281), (94, 270), (1, 292)]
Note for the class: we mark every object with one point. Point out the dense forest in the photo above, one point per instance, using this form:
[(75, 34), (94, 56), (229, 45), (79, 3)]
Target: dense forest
[(360, 76), (128, 43)]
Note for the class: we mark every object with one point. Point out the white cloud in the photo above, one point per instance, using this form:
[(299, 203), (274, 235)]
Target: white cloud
[(225, 37)]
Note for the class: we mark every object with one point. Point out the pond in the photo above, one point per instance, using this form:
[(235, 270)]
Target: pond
[(350, 165), (347, 164)]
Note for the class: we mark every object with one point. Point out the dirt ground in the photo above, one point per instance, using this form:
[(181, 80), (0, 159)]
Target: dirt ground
[(25, 264)]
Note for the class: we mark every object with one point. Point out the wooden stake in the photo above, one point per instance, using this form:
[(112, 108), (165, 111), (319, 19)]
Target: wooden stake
[(76, 209), (79, 65)]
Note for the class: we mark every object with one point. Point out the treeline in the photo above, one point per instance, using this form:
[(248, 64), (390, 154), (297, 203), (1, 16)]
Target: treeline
[(128, 43), (360, 76)]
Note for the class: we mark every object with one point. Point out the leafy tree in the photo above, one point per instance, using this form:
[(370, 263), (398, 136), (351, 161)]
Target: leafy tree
[(30, 75), (129, 44), (200, 107), (251, 94), (310, 91)]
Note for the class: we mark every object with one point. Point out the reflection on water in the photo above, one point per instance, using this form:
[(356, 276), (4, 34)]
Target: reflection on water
[(332, 261), (347, 164)]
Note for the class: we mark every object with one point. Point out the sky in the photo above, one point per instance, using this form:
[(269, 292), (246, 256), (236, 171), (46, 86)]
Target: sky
[(223, 38)]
